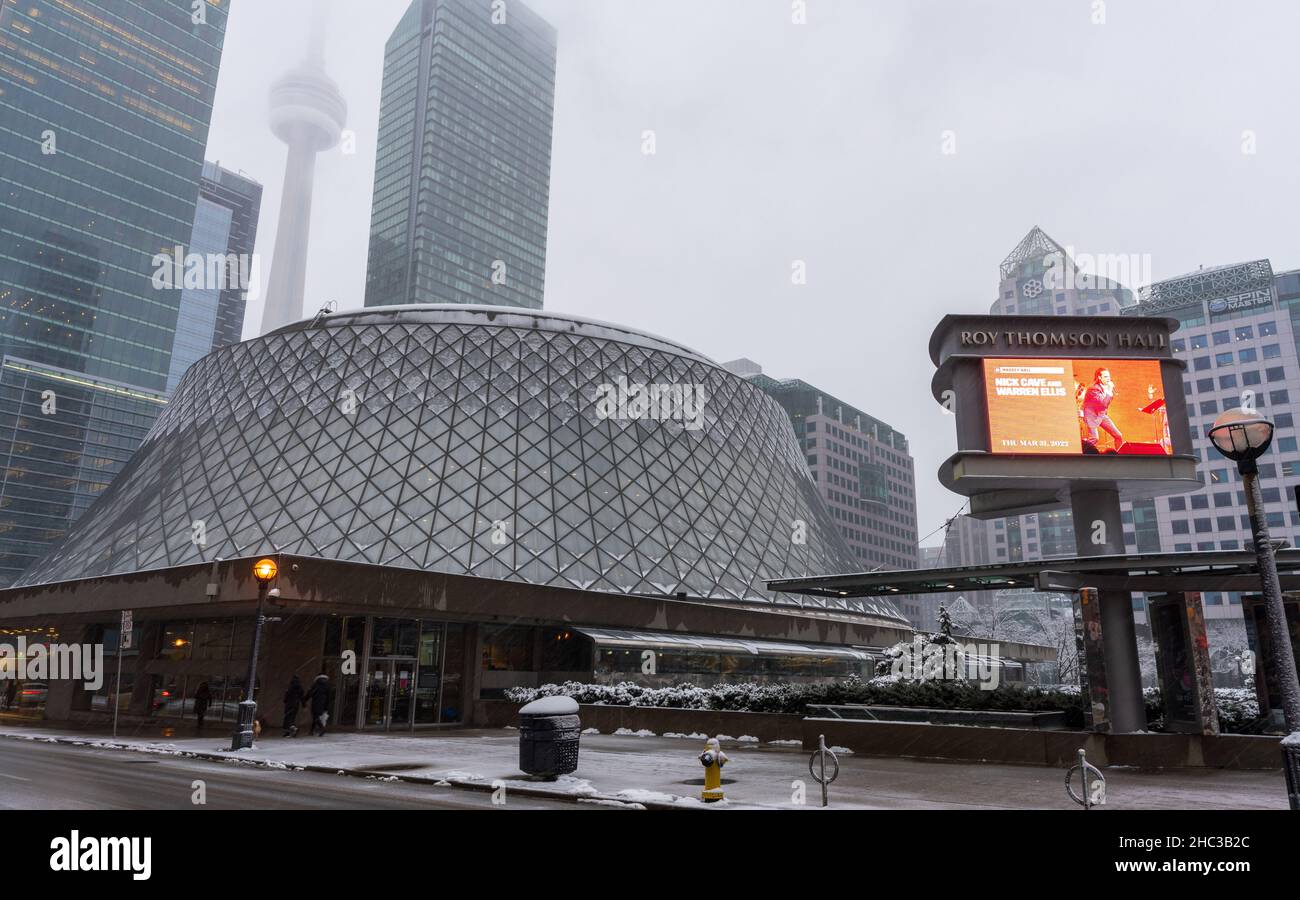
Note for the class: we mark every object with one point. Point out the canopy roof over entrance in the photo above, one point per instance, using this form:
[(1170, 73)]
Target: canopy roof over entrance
[(657, 640), (1233, 570)]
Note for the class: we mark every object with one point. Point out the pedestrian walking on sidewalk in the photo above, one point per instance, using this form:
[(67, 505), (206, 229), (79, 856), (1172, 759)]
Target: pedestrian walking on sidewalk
[(293, 698), (11, 689), (320, 695), (202, 697)]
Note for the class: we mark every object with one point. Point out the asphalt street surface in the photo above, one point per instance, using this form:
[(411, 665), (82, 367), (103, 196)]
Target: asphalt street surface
[(54, 776)]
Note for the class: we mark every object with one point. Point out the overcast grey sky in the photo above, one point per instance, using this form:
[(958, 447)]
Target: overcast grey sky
[(823, 142)]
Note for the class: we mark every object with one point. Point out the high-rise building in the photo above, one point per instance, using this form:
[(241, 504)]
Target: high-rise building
[(1042, 278), (104, 112), (463, 165), (1238, 335), (225, 230), (861, 466)]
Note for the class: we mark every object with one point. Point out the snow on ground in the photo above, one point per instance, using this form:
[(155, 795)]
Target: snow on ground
[(614, 803), (642, 796), (644, 732), (693, 736), (659, 770), (747, 739)]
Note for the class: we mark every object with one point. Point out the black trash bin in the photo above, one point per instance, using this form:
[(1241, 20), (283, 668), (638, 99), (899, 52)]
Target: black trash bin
[(1291, 763), (549, 730)]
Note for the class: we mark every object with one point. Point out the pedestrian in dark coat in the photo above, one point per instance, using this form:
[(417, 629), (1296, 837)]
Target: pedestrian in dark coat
[(320, 695), (293, 698), (11, 688), (202, 697)]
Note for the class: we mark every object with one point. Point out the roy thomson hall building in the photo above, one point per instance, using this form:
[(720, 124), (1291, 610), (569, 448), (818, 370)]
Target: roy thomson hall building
[(459, 500)]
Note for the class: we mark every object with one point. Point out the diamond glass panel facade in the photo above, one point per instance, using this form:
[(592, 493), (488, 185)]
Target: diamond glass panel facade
[(469, 441), (463, 165)]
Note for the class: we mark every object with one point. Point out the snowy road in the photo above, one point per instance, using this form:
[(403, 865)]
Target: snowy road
[(57, 776), (665, 769)]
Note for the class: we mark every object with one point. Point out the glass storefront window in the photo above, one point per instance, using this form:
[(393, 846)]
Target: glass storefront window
[(177, 640), (429, 681), (213, 638), (453, 675), (508, 649), (394, 637)]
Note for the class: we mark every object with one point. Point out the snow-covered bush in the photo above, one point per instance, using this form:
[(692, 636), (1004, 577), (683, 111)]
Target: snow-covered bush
[(795, 698)]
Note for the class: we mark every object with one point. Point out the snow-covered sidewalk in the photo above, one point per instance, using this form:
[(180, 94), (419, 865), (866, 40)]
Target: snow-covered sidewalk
[(663, 771)]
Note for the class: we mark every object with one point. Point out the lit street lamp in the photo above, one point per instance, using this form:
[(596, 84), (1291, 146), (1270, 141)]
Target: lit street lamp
[(1242, 435), (264, 571)]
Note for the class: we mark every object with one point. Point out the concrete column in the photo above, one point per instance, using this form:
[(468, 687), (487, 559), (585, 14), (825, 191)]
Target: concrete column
[(1099, 531), (65, 695), (147, 652)]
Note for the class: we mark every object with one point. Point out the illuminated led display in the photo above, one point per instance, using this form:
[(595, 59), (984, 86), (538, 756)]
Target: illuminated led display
[(1076, 406)]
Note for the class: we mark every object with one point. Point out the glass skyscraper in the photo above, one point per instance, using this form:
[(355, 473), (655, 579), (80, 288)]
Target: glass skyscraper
[(463, 168), (104, 112), (225, 230)]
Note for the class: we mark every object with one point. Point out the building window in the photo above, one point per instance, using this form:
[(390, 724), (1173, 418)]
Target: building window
[(1248, 355)]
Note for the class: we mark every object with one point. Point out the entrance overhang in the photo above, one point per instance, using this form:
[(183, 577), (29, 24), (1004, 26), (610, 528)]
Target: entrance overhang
[(1229, 570)]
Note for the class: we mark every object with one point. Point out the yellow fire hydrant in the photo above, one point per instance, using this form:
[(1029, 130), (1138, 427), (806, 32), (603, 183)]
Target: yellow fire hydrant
[(713, 759)]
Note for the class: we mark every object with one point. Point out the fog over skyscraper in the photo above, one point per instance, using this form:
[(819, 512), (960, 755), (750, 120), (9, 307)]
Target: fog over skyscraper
[(463, 168), (307, 113)]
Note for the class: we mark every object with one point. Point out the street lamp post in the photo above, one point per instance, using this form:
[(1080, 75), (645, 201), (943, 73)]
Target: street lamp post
[(1242, 435), (264, 571)]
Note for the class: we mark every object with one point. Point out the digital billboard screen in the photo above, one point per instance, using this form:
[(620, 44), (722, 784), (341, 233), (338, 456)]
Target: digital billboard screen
[(1076, 406)]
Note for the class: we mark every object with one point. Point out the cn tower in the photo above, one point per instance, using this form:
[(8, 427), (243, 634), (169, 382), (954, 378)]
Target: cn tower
[(307, 113)]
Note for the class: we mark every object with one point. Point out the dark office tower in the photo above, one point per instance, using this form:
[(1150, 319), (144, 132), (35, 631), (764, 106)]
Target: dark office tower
[(104, 110), (225, 230), (463, 169)]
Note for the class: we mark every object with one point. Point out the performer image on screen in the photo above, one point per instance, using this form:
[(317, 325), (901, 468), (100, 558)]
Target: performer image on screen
[(1094, 410)]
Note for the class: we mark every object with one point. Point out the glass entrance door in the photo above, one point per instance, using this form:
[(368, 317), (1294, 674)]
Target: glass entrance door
[(390, 689)]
